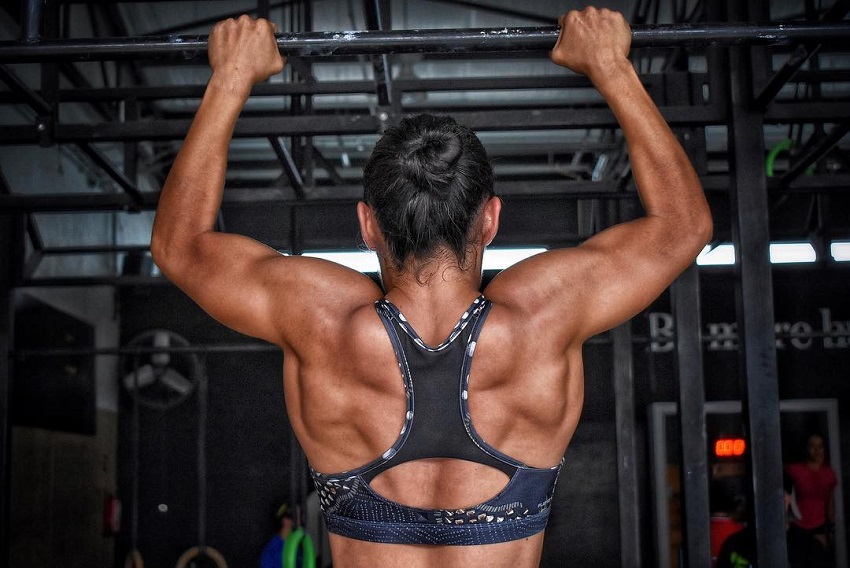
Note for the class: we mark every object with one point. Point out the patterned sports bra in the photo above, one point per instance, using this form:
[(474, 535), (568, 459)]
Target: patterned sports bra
[(437, 425)]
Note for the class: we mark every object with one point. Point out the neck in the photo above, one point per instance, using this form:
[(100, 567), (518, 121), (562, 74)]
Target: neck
[(436, 285)]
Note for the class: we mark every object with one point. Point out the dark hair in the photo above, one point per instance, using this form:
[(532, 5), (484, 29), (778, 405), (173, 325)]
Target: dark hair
[(426, 181)]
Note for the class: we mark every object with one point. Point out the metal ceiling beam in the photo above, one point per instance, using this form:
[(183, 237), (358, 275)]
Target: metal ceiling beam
[(799, 56), (319, 124), (377, 16), (42, 108), (804, 112), (91, 202), (288, 165), (816, 153), (145, 92), (574, 189), (330, 43)]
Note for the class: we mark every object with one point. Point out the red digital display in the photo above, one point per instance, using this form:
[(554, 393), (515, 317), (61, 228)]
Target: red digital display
[(729, 447)]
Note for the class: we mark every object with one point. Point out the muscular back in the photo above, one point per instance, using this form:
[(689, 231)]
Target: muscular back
[(348, 408)]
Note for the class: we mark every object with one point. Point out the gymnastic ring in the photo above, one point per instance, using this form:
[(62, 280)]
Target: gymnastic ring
[(780, 147), (299, 539), (196, 551), (134, 560)]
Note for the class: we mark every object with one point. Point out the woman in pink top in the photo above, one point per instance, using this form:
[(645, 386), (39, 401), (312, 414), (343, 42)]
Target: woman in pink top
[(814, 484)]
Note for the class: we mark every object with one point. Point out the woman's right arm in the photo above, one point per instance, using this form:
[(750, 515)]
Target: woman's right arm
[(618, 272)]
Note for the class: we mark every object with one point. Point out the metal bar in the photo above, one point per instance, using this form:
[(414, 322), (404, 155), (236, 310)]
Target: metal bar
[(754, 308), (816, 153), (377, 16), (329, 167), (95, 249), (686, 308), (289, 167), (143, 92), (805, 111), (627, 455), (144, 350), (571, 189), (799, 56), (11, 241), (33, 12), (542, 191), (459, 41), (316, 124), (78, 80), (31, 98), (42, 107), (96, 156)]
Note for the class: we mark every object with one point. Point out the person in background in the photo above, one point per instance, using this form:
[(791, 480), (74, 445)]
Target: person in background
[(726, 512), (814, 483), (273, 551)]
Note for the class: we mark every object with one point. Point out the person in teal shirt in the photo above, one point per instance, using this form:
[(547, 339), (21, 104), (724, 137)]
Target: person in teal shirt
[(272, 554)]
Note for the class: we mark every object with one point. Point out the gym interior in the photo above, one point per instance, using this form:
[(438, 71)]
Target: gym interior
[(136, 430)]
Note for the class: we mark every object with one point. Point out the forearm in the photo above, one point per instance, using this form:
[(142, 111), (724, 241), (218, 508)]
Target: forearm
[(192, 193), (666, 181)]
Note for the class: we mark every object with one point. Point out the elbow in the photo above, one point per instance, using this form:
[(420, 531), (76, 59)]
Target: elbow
[(700, 230), (704, 228), (160, 252), (165, 252)]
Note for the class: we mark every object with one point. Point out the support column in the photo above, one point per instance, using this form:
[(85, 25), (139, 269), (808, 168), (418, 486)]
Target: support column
[(694, 447), (754, 303), (11, 261), (624, 409)]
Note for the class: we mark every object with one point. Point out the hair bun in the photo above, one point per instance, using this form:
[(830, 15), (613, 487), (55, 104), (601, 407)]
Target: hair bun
[(430, 160)]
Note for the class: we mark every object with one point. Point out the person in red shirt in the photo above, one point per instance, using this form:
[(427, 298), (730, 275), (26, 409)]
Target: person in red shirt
[(814, 485)]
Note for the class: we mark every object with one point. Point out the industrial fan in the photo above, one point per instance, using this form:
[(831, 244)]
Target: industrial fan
[(160, 368)]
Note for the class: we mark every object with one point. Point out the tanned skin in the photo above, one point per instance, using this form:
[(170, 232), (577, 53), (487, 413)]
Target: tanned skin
[(341, 381)]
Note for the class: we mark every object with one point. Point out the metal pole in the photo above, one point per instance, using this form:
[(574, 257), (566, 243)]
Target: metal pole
[(12, 229), (686, 307), (32, 12), (5, 391), (458, 41), (624, 411), (754, 303), (816, 153)]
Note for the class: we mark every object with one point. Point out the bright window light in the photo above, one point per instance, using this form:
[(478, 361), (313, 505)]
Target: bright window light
[(721, 255), (362, 261), (367, 261), (840, 250), (502, 258), (789, 253)]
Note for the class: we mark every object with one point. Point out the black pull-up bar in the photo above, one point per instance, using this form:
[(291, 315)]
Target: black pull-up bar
[(458, 41)]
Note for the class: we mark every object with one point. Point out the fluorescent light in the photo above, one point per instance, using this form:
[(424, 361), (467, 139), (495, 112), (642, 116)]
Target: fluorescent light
[(502, 258), (721, 255), (840, 250), (362, 261), (788, 253), (780, 253), (367, 261)]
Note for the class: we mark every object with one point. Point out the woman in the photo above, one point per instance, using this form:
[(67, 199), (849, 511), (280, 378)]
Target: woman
[(814, 483), (411, 440)]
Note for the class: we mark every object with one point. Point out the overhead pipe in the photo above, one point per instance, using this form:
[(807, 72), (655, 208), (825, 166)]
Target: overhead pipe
[(452, 41)]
